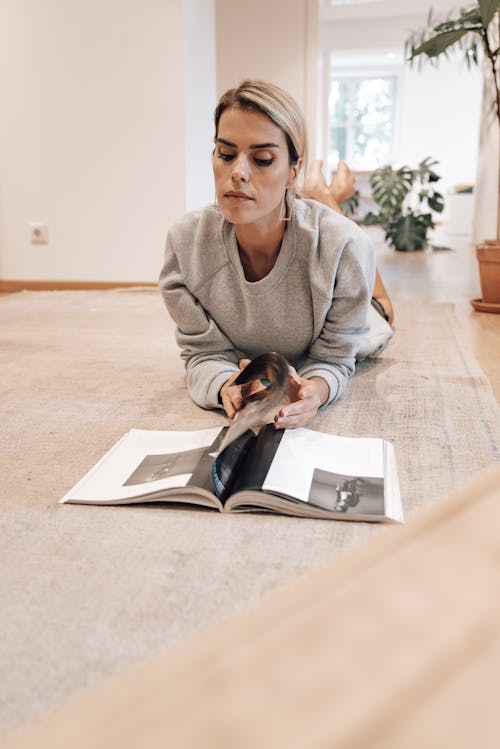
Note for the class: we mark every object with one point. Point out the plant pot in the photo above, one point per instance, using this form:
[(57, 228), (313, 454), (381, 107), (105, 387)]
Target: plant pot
[(488, 256)]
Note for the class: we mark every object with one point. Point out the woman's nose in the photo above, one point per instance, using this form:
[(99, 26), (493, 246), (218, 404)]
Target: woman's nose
[(241, 169)]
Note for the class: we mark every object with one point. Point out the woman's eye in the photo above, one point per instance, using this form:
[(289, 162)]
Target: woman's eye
[(263, 162), (225, 156)]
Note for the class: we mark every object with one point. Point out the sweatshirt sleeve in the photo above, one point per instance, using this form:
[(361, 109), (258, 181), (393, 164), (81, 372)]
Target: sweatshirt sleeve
[(209, 356), (332, 354)]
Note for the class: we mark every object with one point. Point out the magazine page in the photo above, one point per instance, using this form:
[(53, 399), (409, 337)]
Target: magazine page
[(340, 474), (259, 454), (231, 463), (393, 495), (146, 462), (263, 384)]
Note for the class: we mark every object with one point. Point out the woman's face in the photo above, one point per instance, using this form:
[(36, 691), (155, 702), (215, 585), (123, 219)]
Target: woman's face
[(251, 168)]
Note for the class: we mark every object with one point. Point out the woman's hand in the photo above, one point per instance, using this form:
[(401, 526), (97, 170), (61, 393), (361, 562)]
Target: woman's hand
[(230, 394), (306, 397)]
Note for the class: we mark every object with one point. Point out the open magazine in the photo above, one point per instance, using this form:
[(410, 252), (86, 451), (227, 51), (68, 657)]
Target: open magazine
[(298, 472)]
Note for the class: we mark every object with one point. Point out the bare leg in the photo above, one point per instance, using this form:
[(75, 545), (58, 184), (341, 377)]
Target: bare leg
[(342, 186), (381, 295)]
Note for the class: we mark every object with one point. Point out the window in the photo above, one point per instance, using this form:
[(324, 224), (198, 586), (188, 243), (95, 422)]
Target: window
[(361, 113)]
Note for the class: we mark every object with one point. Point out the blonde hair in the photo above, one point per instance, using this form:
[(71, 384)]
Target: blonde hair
[(276, 104)]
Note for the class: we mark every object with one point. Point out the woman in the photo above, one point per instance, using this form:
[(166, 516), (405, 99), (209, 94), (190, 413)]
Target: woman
[(264, 270)]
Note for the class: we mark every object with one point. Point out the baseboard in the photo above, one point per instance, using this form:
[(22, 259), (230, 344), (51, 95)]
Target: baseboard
[(11, 286)]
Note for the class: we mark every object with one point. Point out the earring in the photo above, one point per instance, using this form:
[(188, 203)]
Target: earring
[(286, 205)]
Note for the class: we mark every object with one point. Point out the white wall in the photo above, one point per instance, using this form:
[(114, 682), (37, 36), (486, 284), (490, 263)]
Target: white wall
[(106, 127), (92, 134), (273, 40), (200, 99), (365, 33), (439, 108), (487, 207), (440, 117)]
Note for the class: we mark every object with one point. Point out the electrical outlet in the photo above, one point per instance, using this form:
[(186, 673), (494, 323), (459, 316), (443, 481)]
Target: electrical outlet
[(39, 233)]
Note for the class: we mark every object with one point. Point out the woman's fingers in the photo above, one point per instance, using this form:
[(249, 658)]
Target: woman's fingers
[(299, 417), (306, 396), (231, 400), (231, 395), (302, 410)]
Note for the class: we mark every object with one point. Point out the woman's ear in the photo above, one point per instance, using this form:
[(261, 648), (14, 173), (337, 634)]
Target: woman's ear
[(294, 173)]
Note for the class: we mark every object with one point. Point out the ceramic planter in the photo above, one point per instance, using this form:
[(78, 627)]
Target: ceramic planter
[(488, 256)]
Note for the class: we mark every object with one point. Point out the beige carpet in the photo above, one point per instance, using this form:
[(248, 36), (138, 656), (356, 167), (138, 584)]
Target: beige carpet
[(86, 591)]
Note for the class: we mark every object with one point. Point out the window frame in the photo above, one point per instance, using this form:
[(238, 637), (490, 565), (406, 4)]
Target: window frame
[(334, 67)]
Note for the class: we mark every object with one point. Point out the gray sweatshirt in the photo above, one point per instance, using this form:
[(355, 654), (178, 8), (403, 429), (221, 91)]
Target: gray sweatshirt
[(312, 307)]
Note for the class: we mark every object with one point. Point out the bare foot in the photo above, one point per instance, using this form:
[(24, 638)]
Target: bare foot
[(343, 184), (315, 186)]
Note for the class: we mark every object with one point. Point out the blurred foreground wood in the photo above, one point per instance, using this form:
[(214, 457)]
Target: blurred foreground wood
[(397, 645)]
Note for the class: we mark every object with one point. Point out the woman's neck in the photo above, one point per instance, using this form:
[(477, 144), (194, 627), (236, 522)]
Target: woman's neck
[(259, 249)]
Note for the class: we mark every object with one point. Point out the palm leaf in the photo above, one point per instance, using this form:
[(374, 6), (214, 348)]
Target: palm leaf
[(438, 44), (470, 19), (487, 8), (472, 16)]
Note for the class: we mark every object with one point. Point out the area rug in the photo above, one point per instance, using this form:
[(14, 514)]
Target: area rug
[(86, 591)]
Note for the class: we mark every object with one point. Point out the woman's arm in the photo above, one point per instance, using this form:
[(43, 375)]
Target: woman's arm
[(322, 375), (208, 354)]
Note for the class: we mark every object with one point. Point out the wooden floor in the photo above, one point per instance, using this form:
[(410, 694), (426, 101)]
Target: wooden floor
[(449, 277)]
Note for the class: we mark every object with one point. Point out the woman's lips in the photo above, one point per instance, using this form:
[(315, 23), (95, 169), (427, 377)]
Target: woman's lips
[(239, 197)]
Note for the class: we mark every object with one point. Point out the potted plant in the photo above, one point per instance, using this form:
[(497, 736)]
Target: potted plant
[(405, 222), (473, 29)]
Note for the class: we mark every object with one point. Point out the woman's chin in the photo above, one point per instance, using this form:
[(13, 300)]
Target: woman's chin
[(241, 214)]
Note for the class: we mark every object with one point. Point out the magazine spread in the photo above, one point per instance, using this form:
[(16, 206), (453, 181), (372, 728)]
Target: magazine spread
[(298, 472), (250, 465)]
